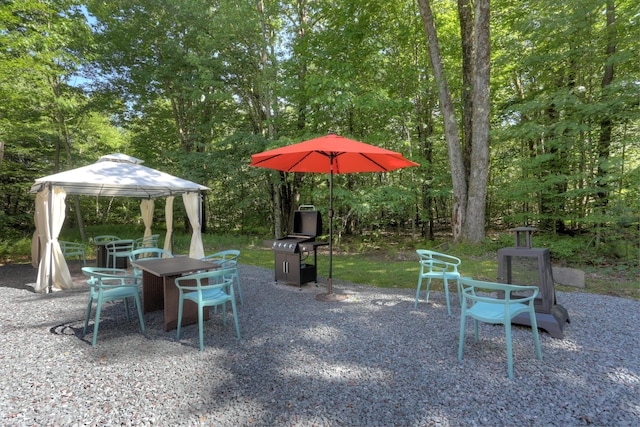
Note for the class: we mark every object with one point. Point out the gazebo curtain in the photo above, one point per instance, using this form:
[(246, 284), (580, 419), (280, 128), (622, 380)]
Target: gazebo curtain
[(50, 214), (168, 213), (35, 240), (192, 205), (146, 209)]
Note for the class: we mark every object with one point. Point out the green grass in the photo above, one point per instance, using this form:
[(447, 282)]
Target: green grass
[(383, 262)]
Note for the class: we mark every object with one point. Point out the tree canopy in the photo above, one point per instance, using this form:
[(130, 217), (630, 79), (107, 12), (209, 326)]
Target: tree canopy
[(195, 88)]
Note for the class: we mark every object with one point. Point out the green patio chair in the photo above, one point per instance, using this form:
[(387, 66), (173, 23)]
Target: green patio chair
[(199, 289), (517, 299), (227, 259), (110, 284), (436, 265), (119, 249), (147, 242), (74, 249), (105, 238)]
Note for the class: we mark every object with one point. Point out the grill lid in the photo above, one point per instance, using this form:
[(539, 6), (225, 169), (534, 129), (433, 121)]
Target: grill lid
[(307, 222)]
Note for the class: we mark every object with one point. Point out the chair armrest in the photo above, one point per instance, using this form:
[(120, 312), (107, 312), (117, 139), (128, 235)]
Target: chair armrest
[(99, 275), (438, 265), (469, 287), (204, 277), (425, 255), (72, 248)]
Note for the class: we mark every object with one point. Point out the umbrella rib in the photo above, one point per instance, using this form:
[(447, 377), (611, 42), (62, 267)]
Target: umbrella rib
[(374, 162), (296, 163)]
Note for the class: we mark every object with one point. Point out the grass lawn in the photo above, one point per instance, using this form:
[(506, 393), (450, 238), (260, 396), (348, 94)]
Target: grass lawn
[(388, 262)]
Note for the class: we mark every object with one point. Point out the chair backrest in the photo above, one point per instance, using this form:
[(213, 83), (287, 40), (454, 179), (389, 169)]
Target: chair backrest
[(432, 261), (105, 238), (149, 253), (214, 279), (103, 277), (72, 248), (120, 247), (147, 241), (228, 258), (512, 297)]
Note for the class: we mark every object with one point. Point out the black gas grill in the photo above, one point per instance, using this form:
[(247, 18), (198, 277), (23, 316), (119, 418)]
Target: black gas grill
[(292, 263)]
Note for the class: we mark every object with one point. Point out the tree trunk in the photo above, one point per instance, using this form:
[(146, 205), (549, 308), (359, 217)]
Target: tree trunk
[(465, 14), (606, 124), (479, 166), (301, 33), (452, 137)]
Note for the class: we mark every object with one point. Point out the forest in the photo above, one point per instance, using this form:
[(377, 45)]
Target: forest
[(519, 113)]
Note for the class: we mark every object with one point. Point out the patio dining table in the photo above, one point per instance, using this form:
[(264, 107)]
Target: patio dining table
[(159, 290)]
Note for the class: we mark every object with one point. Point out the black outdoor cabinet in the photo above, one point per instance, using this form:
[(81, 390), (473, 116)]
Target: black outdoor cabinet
[(297, 267)]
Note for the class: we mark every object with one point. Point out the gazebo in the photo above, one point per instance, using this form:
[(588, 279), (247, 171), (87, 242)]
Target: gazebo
[(112, 175)]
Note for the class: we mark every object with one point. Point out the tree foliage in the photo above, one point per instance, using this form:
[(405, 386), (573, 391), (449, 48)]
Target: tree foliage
[(195, 87)]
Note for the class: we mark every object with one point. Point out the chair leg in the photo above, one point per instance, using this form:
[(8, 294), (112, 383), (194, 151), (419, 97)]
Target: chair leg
[(201, 326), (463, 324), (86, 317), (138, 303), (507, 332), (180, 303), (235, 317), (446, 294), (415, 305), (96, 323), (126, 308), (536, 335)]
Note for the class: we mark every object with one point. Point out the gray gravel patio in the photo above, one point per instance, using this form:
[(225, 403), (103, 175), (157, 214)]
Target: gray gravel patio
[(371, 360)]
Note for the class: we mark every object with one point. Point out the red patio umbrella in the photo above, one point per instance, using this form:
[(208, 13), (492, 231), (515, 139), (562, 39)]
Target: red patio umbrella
[(331, 154)]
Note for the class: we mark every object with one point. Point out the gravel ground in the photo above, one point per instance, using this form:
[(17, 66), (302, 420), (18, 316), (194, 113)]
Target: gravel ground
[(371, 360)]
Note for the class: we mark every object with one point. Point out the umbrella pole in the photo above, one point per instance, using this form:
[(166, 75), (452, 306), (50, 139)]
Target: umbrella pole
[(330, 280), (330, 296)]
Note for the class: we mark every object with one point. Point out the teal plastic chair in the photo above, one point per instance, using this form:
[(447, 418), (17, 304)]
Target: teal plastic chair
[(497, 311), (119, 249), (105, 238), (209, 289), (147, 242), (146, 253), (436, 265), (70, 249), (109, 284), (227, 259)]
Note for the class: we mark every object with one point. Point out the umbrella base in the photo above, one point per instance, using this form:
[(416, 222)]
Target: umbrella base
[(331, 297)]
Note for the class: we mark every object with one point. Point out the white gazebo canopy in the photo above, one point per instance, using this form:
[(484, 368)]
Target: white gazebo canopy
[(114, 175)]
